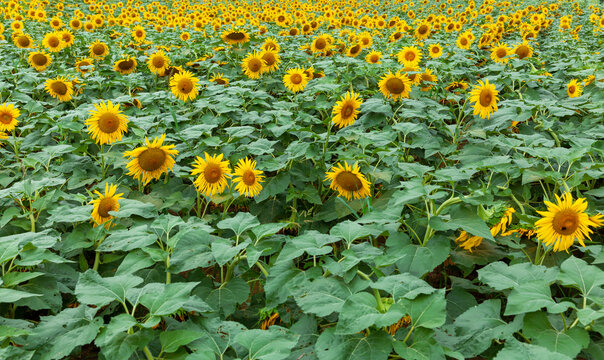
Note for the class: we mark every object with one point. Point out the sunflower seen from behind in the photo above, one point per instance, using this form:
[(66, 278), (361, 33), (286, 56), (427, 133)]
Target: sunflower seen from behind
[(235, 37), (103, 204), (59, 88), (484, 97), (295, 80), (150, 161), (107, 124), (348, 181), (564, 222), (574, 88), (395, 86), (346, 110), (219, 79), (212, 173), (184, 85), (8, 117), (247, 179), (39, 60)]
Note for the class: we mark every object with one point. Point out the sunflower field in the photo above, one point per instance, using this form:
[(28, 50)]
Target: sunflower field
[(300, 180)]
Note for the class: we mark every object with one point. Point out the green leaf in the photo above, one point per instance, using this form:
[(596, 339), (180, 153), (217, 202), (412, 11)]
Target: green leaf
[(528, 297), (419, 260), (501, 276), (426, 310), (424, 347), (162, 299), (375, 346), (360, 312), (15, 278), (273, 344), (465, 218), (239, 223), (92, 289), (580, 275), (191, 251), (133, 262), (403, 286), (540, 330), (11, 296), (172, 340), (129, 207), (116, 343), (349, 231), (128, 239), (228, 296), (514, 350), (323, 296), (224, 250), (265, 230), (311, 242), (218, 337)]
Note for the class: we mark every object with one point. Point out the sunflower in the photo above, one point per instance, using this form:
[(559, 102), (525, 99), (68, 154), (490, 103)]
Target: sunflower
[(468, 241), (8, 117), (374, 57), (16, 26), (247, 178), (219, 79), (235, 37), (320, 44), (98, 50), (3, 136), (150, 161), (427, 77), (53, 42), (75, 24), (23, 40), (471, 241), (347, 109), (422, 32), (395, 86), (213, 173), (125, 66), (500, 52), (67, 38), (348, 181), (435, 51), (138, 34), (295, 79), (409, 56), (185, 36), (184, 85), (271, 44), (574, 88), (523, 50), (107, 124), (39, 60), (271, 59), (354, 50), (564, 222), (84, 65), (104, 204), (59, 88), (485, 98), (158, 63), (413, 73), (463, 42), (253, 65)]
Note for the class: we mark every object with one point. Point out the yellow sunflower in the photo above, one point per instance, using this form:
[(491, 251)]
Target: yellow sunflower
[(185, 36), (104, 204), (427, 77), (484, 95), (422, 32), (253, 65), (107, 124), (75, 24), (414, 74), (564, 222), (435, 51), (320, 44), (272, 60), (3, 136), (354, 50), (138, 34), (53, 42), (125, 66), (523, 50), (59, 88), (295, 79), (409, 56), (8, 117), (463, 42), (395, 86), (247, 178), (150, 161), (98, 50), (271, 44), (184, 85), (219, 79), (235, 37), (574, 88), (23, 40), (67, 38), (346, 110), (500, 53), (39, 60), (348, 181), (84, 65), (213, 173), (158, 63), (374, 57)]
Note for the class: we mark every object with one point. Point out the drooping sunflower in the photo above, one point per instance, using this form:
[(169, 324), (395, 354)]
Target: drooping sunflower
[(107, 124), (219, 79), (271, 59), (253, 65), (346, 110), (109, 201), (39, 60), (84, 65), (574, 88), (150, 161), (125, 66), (23, 40), (500, 53), (59, 88), (395, 86), (138, 34), (213, 173), (523, 50), (348, 181), (374, 57), (295, 79), (184, 85), (565, 221), (235, 37), (8, 117), (247, 178), (427, 77), (484, 95), (98, 50), (435, 51), (158, 63), (409, 56)]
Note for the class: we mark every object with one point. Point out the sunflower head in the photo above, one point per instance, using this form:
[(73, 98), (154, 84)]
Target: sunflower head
[(84, 65), (107, 124), (374, 57), (8, 117), (253, 65), (484, 95), (346, 110), (235, 37), (184, 86), (395, 86), (219, 79), (158, 63), (523, 50), (125, 66), (272, 60), (98, 50), (435, 51), (348, 181), (22, 40), (105, 203), (247, 178), (150, 161), (59, 88), (409, 56), (212, 174), (574, 88), (295, 79), (500, 53), (39, 60)]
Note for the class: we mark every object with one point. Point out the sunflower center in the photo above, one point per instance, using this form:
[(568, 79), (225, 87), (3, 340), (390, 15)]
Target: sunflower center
[(109, 122), (59, 87), (395, 86), (409, 56), (501, 53), (39, 59), (212, 173), (220, 81), (422, 29), (464, 41), (374, 58), (236, 36), (365, 41), (571, 89), (435, 50), (105, 206), (185, 85), (349, 181), (76, 23), (158, 62), (320, 44), (281, 18), (347, 110), (54, 41), (126, 64), (249, 178), (6, 118), (296, 79), (151, 159), (397, 35), (23, 41), (139, 33), (522, 51), (269, 58), (254, 65), (98, 49), (486, 97), (355, 49), (566, 222)]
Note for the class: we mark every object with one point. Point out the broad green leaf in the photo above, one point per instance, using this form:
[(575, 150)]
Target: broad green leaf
[(239, 223), (92, 289), (129, 239), (191, 251), (15, 278), (273, 344), (129, 207), (323, 296), (540, 330), (11, 296), (528, 297), (134, 261), (311, 242), (403, 286), (514, 350), (501, 276), (227, 297), (424, 347), (162, 299), (218, 336), (375, 346), (349, 231), (265, 230), (465, 218), (578, 274), (426, 310), (224, 250), (116, 343), (172, 340), (360, 312), (419, 260)]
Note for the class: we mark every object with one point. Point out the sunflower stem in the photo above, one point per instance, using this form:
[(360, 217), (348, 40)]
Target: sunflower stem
[(97, 260), (148, 353)]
